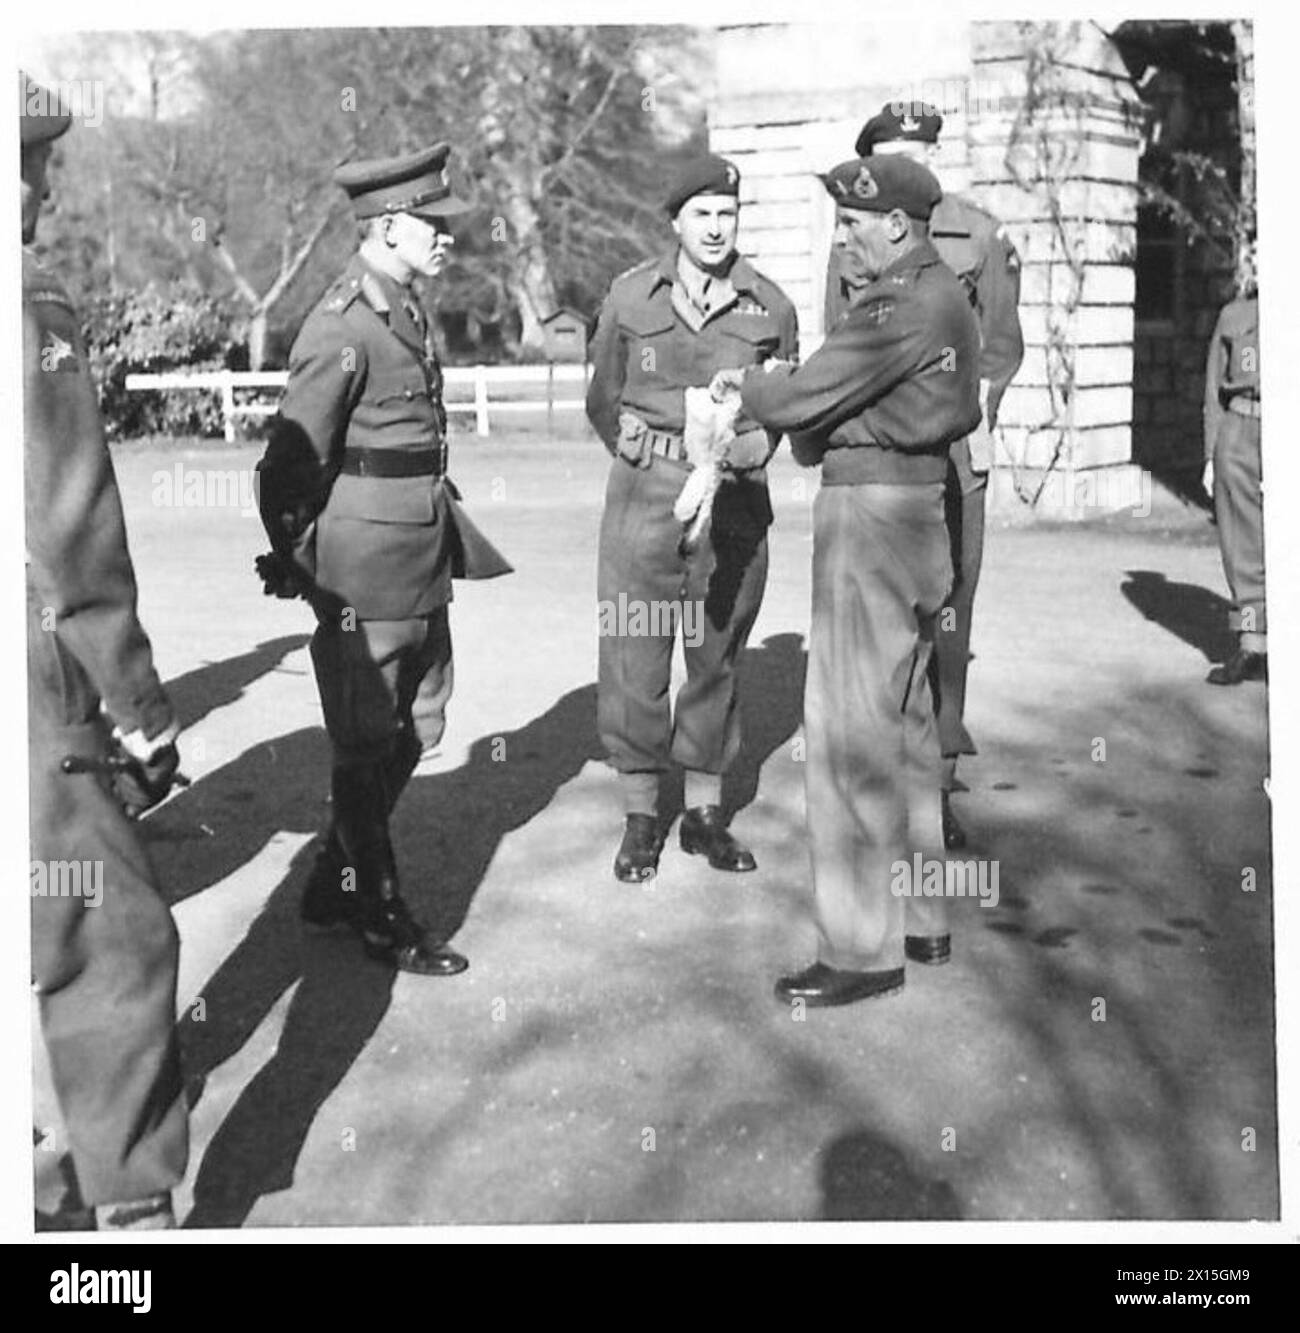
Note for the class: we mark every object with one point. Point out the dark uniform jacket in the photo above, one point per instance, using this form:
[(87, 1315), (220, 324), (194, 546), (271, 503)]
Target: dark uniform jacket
[(79, 568), (895, 382), (978, 250), (644, 355), (363, 376), (1232, 366)]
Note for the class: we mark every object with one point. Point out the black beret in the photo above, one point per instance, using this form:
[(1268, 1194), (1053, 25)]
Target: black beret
[(917, 121), (881, 184), (704, 175), (42, 115), (415, 183)]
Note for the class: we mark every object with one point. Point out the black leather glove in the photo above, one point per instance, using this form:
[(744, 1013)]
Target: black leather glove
[(139, 784), (279, 575)]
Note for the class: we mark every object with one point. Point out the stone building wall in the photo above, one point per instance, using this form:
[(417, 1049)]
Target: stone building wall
[(1051, 149)]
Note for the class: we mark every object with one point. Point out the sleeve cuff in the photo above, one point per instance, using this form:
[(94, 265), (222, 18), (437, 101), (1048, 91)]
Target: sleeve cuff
[(142, 747)]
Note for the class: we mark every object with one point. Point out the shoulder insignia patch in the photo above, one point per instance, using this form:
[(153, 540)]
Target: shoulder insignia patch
[(40, 286), (341, 295), (57, 354), (50, 296)]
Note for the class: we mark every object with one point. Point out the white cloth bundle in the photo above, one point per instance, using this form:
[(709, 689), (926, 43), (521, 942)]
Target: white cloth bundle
[(710, 428)]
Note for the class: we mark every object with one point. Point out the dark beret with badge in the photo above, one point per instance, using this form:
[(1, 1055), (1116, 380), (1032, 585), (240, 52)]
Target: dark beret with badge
[(416, 183), (42, 116), (703, 175), (917, 122), (882, 184)]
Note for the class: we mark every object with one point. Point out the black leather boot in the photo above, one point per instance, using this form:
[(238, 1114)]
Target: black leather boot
[(1242, 665), (326, 903), (388, 931), (638, 854), (704, 832)]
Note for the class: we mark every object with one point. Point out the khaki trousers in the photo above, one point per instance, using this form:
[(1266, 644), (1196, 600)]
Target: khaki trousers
[(103, 962), (642, 570), (881, 572), (1239, 514)]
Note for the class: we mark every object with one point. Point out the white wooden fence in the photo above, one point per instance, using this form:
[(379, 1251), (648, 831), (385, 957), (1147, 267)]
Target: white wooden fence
[(243, 391)]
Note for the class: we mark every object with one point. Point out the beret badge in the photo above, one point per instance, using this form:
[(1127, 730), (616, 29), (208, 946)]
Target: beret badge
[(864, 184)]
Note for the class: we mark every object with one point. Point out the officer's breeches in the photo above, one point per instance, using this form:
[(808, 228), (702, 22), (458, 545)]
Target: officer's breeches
[(881, 571), (384, 688), (963, 502), (1239, 513), (104, 956), (648, 593)]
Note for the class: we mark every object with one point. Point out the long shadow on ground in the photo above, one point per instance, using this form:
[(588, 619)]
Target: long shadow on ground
[(1196, 615), (450, 824)]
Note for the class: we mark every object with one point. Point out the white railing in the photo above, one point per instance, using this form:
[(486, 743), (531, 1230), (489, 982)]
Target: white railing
[(227, 382)]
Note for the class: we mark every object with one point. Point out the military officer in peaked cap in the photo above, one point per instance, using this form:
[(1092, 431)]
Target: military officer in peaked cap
[(365, 523), (879, 404), (667, 325), (103, 957), (977, 248)]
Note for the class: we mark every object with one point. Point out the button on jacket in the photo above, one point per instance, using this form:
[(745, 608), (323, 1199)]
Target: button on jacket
[(896, 380), (644, 355)]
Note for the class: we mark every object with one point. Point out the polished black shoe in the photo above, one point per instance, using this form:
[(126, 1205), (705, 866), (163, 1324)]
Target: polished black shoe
[(1242, 665), (822, 986), (326, 904), (390, 934), (388, 931), (638, 853), (704, 832), (954, 836), (928, 948)]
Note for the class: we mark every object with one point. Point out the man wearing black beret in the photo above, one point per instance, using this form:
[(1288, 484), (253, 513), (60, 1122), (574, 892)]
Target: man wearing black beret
[(977, 248), (878, 404), (364, 522), (668, 325)]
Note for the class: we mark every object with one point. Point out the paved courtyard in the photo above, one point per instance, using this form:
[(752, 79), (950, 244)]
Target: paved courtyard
[(1100, 1047)]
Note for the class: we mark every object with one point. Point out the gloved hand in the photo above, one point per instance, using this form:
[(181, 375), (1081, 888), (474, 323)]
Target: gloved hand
[(632, 443), (279, 575), (143, 770)]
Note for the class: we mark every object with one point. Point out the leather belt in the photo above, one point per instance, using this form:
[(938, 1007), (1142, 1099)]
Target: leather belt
[(363, 462), (1244, 407), (667, 444)]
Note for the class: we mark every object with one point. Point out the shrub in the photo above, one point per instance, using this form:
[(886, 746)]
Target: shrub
[(173, 327)]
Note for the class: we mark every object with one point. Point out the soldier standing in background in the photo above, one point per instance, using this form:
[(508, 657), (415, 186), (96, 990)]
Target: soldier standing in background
[(977, 248), (1233, 477), (365, 523), (104, 970), (878, 404), (667, 325)]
